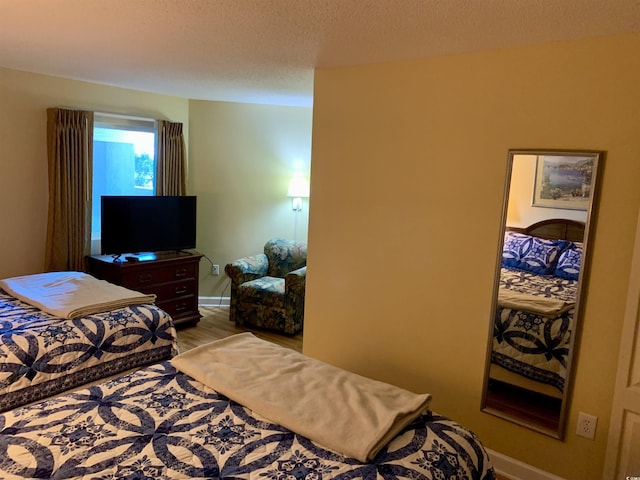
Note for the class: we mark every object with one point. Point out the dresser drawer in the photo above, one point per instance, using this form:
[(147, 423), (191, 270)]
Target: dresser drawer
[(174, 290), (179, 306), (139, 278)]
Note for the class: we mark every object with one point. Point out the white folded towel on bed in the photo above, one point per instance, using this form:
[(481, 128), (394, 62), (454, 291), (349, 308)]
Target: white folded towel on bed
[(548, 307), (340, 410), (72, 294)]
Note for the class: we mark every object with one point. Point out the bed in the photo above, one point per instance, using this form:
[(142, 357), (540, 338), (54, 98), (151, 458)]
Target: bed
[(534, 318), (161, 422), (43, 353)]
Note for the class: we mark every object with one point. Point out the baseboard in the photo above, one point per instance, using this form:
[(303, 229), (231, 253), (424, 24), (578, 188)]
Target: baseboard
[(517, 470), (214, 301)]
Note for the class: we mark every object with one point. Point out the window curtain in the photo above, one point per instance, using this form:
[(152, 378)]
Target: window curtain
[(170, 159), (70, 154)]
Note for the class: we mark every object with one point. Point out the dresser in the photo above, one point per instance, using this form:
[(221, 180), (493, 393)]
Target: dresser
[(171, 276)]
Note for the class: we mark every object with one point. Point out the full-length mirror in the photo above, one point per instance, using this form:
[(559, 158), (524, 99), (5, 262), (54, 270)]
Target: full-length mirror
[(541, 276)]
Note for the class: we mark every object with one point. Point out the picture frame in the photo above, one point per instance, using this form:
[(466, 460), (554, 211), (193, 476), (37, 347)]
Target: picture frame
[(565, 180)]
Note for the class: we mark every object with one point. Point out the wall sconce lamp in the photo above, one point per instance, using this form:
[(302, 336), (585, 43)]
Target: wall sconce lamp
[(298, 189)]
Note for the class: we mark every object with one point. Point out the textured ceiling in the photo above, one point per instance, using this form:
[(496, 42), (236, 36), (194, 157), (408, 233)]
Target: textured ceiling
[(264, 51)]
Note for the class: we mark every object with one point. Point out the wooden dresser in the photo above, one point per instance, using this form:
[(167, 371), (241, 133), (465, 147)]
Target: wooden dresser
[(171, 276)]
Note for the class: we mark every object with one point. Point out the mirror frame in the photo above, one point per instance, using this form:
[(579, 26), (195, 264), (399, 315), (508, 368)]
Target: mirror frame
[(598, 157)]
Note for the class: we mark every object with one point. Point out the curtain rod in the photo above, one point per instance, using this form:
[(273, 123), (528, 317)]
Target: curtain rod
[(127, 117)]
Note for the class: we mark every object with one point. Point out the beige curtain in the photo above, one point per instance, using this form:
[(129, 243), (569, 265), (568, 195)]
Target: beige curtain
[(170, 159), (70, 154)]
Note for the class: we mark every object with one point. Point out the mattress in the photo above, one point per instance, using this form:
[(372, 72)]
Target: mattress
[(43, 355), (160, 423), (530, 344)]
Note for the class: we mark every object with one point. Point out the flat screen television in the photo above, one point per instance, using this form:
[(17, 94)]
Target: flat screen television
[(135, 224)]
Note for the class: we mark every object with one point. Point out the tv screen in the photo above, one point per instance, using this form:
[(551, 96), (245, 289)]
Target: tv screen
[(133, 224)]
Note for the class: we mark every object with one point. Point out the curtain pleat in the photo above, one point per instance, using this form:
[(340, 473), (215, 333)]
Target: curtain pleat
[(170, 159), (70, 158)]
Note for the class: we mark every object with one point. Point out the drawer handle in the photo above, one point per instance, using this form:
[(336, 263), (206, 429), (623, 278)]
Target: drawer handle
[(181, 272), (181, 289), (144, 278), (181, 306)]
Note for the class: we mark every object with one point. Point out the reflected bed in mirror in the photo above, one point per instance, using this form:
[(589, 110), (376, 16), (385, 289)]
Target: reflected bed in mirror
[(540, 276)]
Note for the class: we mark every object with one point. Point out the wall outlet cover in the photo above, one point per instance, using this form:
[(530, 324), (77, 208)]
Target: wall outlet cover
[(587, 425)]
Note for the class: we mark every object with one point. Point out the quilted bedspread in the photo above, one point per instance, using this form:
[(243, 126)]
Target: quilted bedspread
[(43, 355), (530, 344), (159, 423)]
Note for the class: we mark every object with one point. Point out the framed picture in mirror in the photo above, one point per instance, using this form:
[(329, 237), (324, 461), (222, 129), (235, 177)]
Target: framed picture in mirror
[(563, 181)]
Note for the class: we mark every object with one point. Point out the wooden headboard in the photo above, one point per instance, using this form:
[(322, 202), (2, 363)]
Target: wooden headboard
[(554, 229)]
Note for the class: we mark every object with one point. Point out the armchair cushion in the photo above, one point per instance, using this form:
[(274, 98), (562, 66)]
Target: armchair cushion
[(285, 256), (262, 289)]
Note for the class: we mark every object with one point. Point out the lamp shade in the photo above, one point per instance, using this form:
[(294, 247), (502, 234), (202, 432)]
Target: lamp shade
[(298, 187)]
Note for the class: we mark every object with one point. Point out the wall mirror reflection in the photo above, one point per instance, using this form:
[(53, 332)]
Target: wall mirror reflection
[(540, 278)]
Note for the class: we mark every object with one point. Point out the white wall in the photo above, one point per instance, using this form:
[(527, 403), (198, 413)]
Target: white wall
[(242, 157)]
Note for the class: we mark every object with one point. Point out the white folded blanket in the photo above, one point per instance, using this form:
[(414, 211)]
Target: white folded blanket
[(549, 307), (340, 410), (72, 294)]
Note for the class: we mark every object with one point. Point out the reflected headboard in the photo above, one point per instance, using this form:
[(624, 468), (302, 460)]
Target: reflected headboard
[(554, 229)]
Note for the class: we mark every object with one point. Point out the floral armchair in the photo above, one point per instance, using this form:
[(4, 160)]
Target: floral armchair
[(267, 290)]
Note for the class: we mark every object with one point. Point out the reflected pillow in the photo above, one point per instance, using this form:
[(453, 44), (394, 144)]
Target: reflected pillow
[(569, 262), (533, 254), (513, 244)]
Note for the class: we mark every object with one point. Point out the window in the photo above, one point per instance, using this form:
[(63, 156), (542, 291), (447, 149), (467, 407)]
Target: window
[(123, 162)]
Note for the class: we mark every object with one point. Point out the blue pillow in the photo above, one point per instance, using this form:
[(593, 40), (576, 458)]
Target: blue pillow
[(513, 245), (533, 254), (569, 263)]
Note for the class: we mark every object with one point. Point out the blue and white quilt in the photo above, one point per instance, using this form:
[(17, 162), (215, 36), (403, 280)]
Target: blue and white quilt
[(43, 355), (528, 343), (159, 423)]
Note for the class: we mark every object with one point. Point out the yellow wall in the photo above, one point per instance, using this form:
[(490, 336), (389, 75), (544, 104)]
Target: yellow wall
[(24, 99), (242, 157), (409, 161)]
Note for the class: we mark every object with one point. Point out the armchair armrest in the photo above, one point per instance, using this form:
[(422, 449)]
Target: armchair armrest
[(294, 293), (295, 280), (247, 268)]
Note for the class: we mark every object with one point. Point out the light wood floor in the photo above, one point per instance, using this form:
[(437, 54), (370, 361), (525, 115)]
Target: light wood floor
[(215, 325)]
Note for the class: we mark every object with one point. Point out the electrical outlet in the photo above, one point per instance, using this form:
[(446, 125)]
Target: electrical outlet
[(215, 269), (587, 425)]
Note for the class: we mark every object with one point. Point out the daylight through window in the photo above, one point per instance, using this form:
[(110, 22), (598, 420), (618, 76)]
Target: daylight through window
[(123, 161)]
